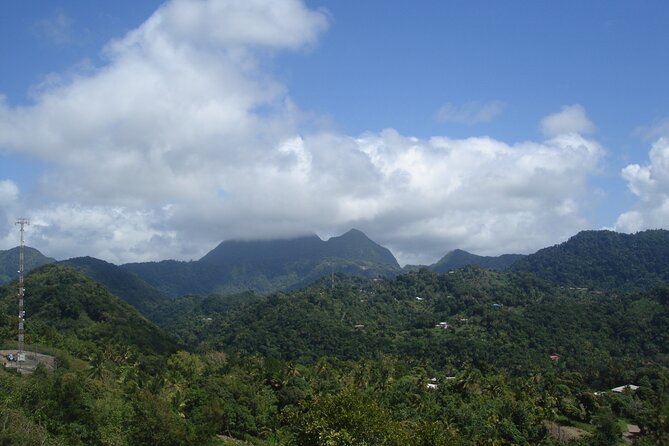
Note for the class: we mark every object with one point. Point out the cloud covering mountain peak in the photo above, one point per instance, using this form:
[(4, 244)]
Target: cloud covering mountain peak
[(185, 136)]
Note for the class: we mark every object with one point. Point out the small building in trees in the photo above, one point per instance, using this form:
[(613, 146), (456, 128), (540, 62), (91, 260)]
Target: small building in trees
[(626, 388)]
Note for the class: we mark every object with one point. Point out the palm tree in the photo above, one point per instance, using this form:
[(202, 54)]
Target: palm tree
[(96, 366)]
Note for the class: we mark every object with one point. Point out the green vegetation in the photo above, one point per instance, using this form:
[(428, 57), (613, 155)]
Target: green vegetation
[(469, 357), (69, 311), (604, 259), (506, 321), (122, 283), (9, 261)]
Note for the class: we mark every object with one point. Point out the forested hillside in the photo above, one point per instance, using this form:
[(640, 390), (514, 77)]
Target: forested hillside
[(466, 357), (9, 262), (65, 309), (122, 283), (501, 320), (604, 259), (360, 363)]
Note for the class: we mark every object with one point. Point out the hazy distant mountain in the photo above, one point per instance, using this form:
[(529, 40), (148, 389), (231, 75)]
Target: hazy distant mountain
[(604, 259), (269, 265), (458, 259), (121, 283), (9, 262)]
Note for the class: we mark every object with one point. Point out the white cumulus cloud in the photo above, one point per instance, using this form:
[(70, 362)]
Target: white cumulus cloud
[(571, 119), (479, 194), (650, 183), (183, 138)]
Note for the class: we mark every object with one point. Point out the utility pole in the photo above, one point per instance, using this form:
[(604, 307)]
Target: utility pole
[(21, 354)]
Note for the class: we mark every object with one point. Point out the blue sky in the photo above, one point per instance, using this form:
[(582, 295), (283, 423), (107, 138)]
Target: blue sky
[(488, 126)]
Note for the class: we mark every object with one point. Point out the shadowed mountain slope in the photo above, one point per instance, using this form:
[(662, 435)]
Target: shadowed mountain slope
[(122, 283), (9, 262), (269, 265), (458, 258)]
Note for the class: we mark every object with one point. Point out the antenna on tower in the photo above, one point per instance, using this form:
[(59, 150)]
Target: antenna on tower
[(21, 354)]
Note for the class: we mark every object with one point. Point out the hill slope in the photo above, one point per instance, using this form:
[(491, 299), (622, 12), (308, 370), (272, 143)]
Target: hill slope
[(9, 262), (509, 320), (65, 309), (458, 258), (269, 265), (122, 283), (604, 259)]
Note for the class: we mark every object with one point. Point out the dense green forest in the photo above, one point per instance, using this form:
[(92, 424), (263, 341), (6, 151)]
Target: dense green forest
[(501, 320), (9, 261), (466, 357), (122, 283), (71, 312), (604, 259)]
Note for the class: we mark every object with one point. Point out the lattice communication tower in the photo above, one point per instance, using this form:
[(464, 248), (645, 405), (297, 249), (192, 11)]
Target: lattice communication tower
[(21, 354)]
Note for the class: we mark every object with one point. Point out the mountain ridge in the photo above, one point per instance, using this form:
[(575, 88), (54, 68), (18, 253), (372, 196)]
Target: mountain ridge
[(459, 258), (603, 259), (269, 265), (599, 259), (121, 283)]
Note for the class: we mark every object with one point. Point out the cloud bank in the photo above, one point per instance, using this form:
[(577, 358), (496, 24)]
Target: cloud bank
[(650, 183), (183, 138)]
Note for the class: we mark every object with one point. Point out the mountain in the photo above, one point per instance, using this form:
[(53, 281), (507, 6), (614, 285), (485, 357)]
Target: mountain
[(122, 283), (458, 259), (269, 265), (9, 262), (67, 310), (356, 246), (263, 253), (604, 259)]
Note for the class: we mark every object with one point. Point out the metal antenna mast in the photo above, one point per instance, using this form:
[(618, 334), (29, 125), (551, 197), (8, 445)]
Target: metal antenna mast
[(21, 355)]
